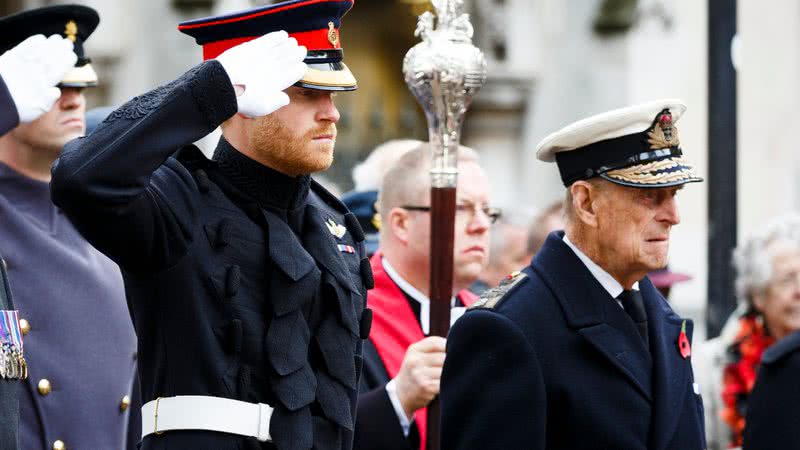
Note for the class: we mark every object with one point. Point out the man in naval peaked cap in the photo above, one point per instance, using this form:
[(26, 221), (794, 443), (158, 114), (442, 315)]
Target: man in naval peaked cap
[(579, 350), (246, 279)]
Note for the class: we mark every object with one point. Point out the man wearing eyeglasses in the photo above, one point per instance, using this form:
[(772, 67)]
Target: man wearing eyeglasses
[(402, 366)]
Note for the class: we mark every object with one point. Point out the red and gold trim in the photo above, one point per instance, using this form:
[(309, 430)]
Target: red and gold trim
[(312, 40)]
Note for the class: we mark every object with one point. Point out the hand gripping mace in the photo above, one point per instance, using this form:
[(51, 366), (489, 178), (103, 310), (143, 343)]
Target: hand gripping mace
[(444, 72)]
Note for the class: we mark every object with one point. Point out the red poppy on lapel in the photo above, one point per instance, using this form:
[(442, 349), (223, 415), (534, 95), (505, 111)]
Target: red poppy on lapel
[(683, 342)]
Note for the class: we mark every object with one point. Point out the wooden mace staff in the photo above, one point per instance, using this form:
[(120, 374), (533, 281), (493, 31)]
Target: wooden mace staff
[(444, 72)]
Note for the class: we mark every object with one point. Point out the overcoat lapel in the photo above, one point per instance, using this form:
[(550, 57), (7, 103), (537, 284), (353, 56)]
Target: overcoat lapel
[(671, 372), (590, 310)]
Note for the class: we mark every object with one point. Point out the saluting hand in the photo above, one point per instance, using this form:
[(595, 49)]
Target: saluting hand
[(261, 69), (31, 71), (418, 380)]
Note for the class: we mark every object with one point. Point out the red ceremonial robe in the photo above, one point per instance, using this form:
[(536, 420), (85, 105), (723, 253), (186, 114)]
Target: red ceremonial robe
[(395, 327)]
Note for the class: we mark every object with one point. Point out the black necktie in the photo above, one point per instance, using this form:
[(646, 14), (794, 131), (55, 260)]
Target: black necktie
[(633, 303)]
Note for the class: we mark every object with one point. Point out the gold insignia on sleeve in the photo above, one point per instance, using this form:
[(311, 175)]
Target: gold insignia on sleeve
[(664, 133), (333, 37), (492, 297), (71, 30)]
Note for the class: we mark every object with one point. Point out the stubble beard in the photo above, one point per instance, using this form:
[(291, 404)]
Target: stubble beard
[(284, 151)]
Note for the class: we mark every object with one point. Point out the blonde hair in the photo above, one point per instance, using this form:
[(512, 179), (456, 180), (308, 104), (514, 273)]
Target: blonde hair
[(408, 181), (368, 174)]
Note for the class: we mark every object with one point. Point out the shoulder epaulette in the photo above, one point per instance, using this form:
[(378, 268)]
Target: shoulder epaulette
[(782, 348), (492, 297)]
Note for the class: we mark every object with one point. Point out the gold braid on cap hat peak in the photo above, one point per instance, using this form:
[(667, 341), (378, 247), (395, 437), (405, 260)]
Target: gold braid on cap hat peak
[(644, 174)]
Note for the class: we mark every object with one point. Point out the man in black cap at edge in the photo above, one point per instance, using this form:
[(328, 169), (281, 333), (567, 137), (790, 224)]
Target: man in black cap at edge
[(29, 73), (246, 279), (79, 341), (579, 351)]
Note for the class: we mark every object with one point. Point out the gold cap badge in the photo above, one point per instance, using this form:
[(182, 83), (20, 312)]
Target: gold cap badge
[(664, 134), (333, 36), (71, 30)]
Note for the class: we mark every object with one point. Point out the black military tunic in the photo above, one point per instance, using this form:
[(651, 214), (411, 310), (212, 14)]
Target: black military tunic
[(241, 280)]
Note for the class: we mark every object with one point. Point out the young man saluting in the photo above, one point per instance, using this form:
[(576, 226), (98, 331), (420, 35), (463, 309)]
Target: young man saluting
[(246, 279)]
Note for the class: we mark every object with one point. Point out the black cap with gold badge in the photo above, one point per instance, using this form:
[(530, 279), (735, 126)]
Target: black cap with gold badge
[(637, 146), (74, 22), (314, 23)]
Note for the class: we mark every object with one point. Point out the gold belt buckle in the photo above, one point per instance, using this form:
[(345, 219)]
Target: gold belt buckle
[(155, 424)]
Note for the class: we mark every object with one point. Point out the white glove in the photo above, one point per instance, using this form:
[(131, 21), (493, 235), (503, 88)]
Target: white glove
[(264, 67), (31, 71)]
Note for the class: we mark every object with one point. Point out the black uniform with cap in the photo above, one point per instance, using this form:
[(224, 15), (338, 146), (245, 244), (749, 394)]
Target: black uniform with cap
[(79, 341), (244, 283), (549, 359)]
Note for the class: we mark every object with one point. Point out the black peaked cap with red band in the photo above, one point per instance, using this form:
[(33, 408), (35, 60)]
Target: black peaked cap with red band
[(314, 23)]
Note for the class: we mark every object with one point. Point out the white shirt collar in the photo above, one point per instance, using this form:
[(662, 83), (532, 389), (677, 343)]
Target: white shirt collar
[(414, 293), (605, 279)]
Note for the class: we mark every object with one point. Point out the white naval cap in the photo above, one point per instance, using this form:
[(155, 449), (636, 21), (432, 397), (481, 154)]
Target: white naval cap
[(635, 146)]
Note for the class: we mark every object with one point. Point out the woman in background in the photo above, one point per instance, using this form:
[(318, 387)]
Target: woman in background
[(769, 309)]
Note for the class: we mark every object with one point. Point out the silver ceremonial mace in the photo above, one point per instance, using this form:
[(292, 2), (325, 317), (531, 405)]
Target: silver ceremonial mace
[(444, 72)]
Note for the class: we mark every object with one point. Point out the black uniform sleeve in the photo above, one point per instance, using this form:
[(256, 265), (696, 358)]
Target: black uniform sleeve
[(492, 391), (377, 425), (772, 413), (9, 118), (114, 184)]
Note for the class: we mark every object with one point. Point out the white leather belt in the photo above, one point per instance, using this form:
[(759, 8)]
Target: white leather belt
[(199, 412)]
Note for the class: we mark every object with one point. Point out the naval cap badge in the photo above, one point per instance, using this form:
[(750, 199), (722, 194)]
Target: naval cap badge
[(663, 134)]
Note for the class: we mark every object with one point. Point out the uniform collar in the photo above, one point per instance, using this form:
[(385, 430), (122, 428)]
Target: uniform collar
[(265, 185), (605, 279)]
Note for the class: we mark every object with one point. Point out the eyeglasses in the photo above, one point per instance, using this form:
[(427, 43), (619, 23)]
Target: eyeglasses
[(466, 208)]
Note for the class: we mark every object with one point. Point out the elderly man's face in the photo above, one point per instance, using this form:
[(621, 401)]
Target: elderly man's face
[(634, 226), (780, 301)]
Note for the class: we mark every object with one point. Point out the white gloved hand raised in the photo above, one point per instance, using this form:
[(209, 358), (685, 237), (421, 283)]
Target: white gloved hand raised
[(264, 67), (31, 71)]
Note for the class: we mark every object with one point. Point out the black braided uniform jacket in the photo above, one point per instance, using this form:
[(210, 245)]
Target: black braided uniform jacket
[(234, 273)]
